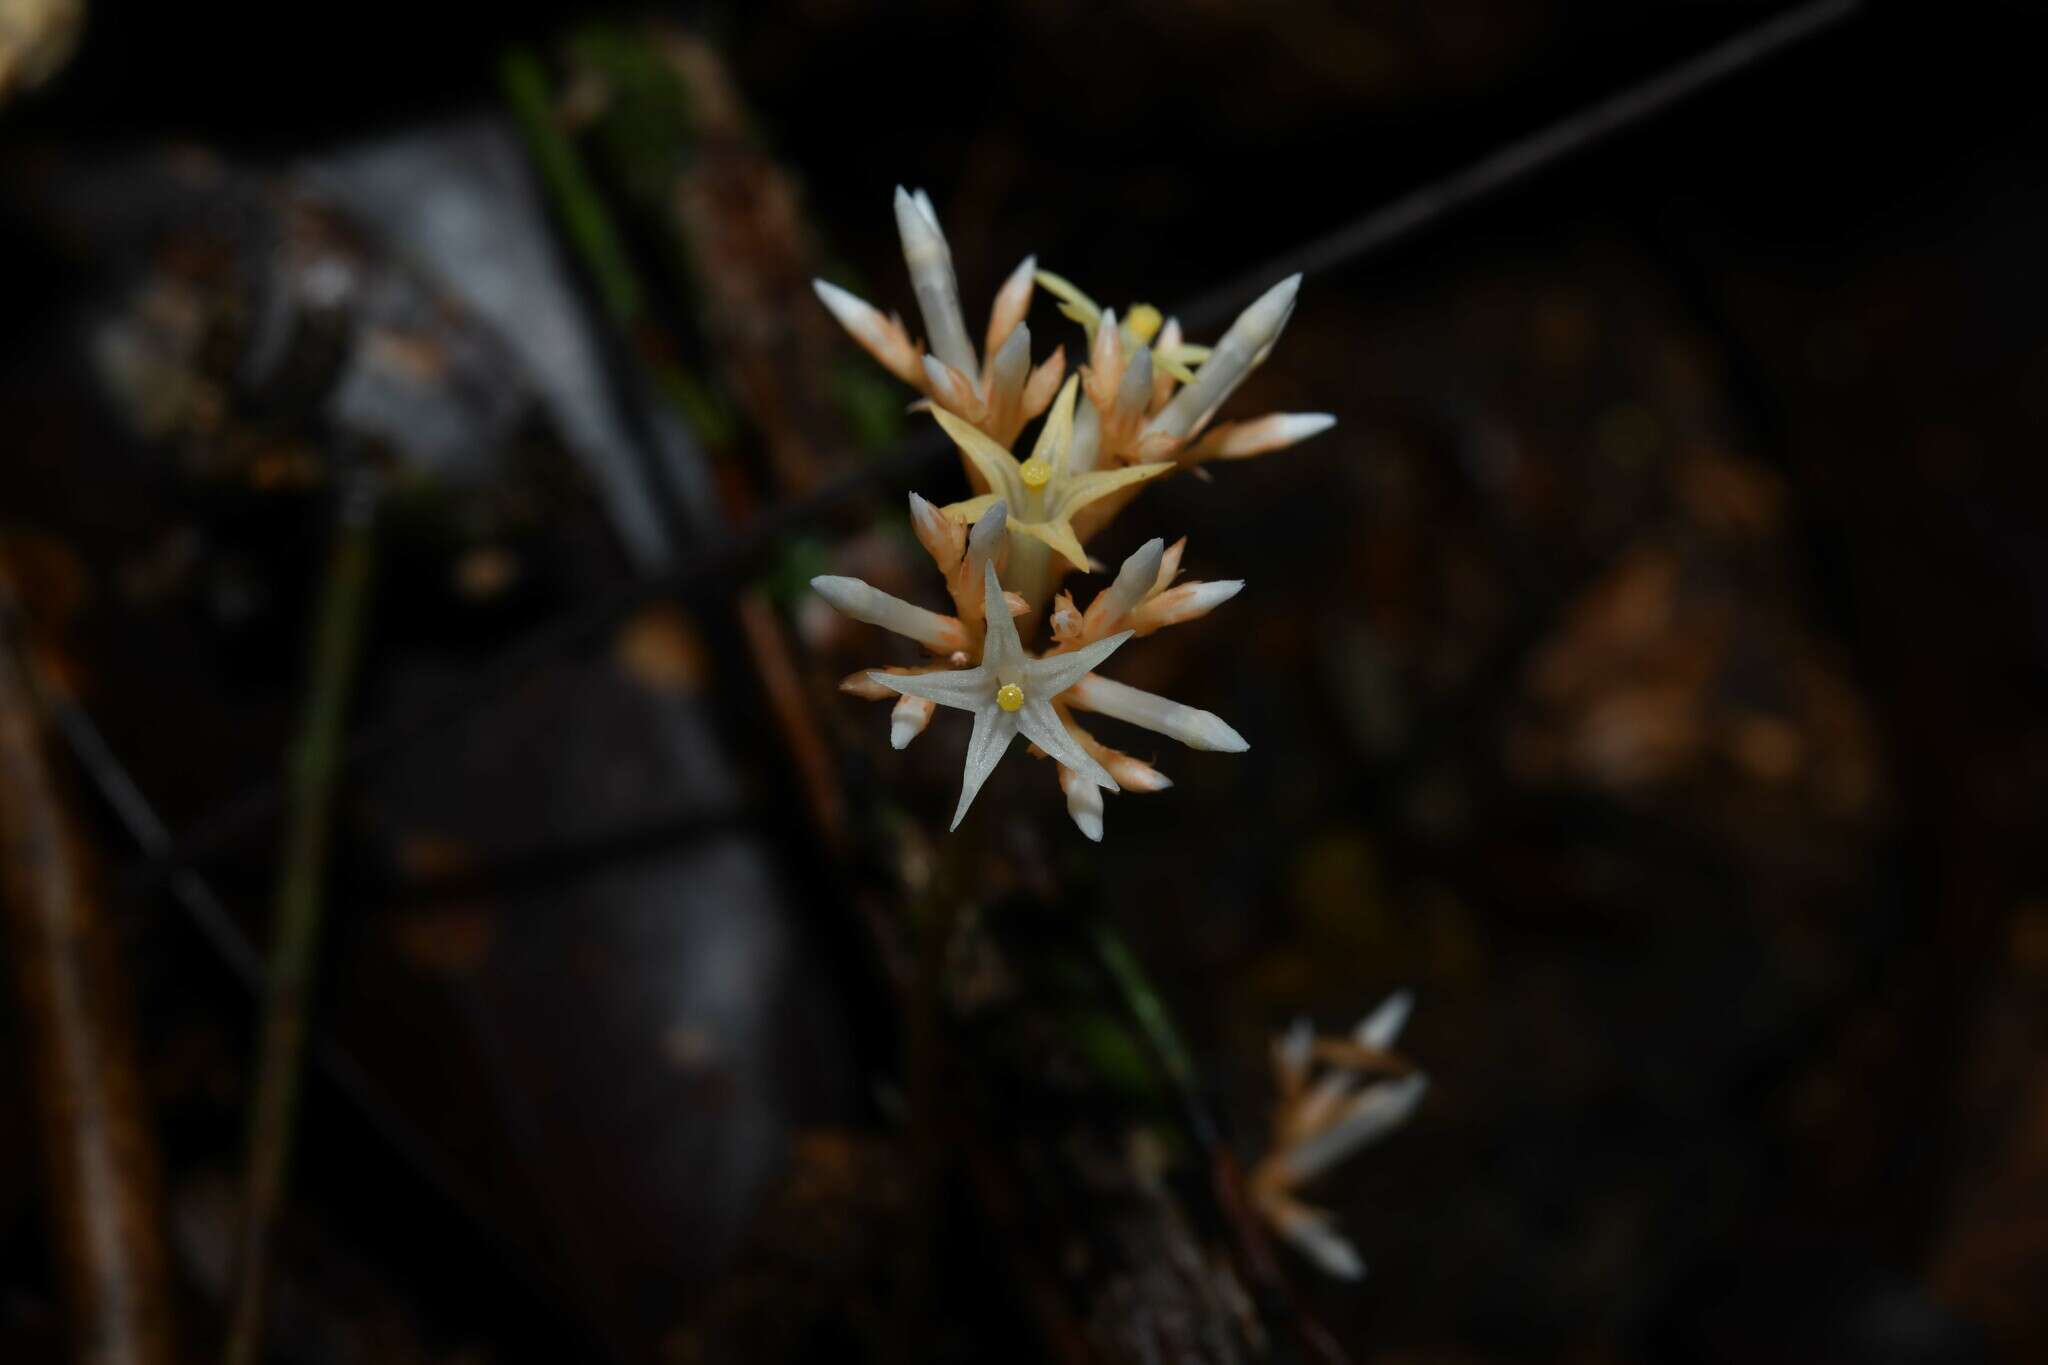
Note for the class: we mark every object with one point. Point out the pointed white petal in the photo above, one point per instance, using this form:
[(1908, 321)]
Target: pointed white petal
[(1041, 725), (965, 689), (1002, 653), (1380, 1028), (863, 602), (1195, 728), (931, 276), (994, 728), (1049, 677), (1373, 1114)]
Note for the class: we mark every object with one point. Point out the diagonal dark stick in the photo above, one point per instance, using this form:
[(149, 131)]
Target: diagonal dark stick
[(133, 812), (1523, 158), (739, 553)]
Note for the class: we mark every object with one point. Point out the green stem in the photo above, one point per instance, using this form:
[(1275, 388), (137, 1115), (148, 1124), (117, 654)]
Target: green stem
[(585, 219), (315, 769), (1146, 1009)]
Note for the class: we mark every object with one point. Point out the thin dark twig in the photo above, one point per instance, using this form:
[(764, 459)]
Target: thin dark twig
[(1523, 158), (152, 837), (738, 553)]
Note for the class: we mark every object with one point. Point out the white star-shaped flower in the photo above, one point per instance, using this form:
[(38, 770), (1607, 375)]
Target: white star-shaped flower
[(1009, 691)]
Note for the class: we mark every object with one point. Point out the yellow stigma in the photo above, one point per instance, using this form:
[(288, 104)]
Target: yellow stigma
[(1010, 697), (1036, 473), (1144, 321)]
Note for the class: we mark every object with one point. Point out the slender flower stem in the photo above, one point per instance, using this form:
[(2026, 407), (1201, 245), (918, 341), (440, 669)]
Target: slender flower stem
[(315, 769)]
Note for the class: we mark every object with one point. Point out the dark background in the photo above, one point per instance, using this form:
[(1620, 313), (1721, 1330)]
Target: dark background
[(1646, 670)]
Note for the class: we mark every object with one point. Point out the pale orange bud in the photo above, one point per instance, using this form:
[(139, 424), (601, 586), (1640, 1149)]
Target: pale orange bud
[(951, 390), (908, 719), (1013, 301), (1105, 371), (884, 338), (1044, 384), (861, 685), (1162, 376), (1275, 431), (1169, 564), (1066, 619), (1183, 603), (943, 538), (1133, 774)]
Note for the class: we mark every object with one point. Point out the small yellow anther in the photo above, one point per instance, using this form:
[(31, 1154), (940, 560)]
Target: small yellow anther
[(1010, 697), (1035, 472), (1143, 322)]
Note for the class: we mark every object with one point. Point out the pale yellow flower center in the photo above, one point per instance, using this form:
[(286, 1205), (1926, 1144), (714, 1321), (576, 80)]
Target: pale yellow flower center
[(1010, 697), (1036, 473), (1144, 321)]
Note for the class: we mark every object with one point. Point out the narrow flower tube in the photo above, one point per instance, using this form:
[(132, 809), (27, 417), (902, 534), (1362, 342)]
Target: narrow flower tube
[(1195, 728), (1373, 1114), (943, 538), (1184, 603), (931, 276), (1276, 431), (881, 337), (1232, 358), (1105, 362), (863, 602), (1044, 383), (1084, 802)]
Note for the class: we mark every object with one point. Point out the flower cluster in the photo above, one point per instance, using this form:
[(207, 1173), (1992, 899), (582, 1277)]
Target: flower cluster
[(1151, 398), (1364, 1091)]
